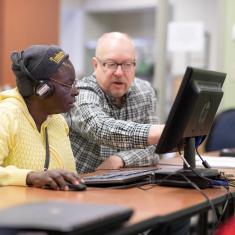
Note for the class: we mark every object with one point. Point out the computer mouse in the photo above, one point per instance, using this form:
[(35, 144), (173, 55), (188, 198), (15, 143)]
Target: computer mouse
[(76, 187)]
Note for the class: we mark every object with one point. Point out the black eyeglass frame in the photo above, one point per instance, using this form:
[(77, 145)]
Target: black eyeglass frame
[(71, 87), (126, 66)]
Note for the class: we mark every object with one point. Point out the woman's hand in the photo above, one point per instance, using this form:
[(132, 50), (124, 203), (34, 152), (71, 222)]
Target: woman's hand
[(53, 179)]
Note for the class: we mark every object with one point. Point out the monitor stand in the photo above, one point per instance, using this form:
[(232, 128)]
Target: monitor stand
[(198, 176), (189, 155)]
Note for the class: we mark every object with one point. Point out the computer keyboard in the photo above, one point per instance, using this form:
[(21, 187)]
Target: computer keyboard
[(119, 177)]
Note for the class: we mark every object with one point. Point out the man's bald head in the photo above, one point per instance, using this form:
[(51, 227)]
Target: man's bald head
[(115, 43), (114, 64)]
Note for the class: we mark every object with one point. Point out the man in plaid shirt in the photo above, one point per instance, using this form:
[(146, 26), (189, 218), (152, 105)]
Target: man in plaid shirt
[(114, 121)]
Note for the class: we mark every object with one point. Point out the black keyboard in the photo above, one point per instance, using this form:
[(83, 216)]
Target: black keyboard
[(120, 177)]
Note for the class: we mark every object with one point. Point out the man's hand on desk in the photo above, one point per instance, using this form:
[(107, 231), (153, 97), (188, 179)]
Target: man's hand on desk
[(111, 163), (53, 179)]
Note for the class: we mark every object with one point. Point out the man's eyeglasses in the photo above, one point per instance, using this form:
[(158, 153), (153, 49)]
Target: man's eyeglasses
[(72, 86), (112, 65)]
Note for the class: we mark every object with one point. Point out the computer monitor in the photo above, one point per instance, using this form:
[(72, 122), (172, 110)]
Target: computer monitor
[(192, 114)]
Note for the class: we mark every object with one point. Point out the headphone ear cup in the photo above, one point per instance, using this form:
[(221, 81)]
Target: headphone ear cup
[(44, 89)]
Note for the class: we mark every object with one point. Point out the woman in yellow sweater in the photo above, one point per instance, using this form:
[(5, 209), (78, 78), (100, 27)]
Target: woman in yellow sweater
[(34, 145)]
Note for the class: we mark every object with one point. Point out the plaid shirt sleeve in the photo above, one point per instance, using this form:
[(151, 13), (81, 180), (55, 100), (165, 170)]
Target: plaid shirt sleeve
[(147, 156), (139, 157)]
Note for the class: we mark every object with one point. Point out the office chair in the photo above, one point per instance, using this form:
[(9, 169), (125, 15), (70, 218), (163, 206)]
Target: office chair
[(222, 133)]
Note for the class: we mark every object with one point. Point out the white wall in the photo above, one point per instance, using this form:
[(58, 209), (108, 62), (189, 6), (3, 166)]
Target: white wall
[(208, 12), (72, 32), (86, 20), (83, 21)]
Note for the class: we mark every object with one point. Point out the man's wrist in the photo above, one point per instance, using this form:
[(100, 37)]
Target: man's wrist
[(155, 132), (119, 162)]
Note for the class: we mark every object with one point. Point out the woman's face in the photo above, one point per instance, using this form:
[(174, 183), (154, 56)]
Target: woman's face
[(65, 91)]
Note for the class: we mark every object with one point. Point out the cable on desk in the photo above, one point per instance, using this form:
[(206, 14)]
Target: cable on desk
[(224, 182), (204, 162), (214, 213), (194, 185), (229, 195), (224, 208)]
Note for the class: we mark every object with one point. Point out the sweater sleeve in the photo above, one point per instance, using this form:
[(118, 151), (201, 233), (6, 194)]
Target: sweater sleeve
[(9, 175), (12, 175)]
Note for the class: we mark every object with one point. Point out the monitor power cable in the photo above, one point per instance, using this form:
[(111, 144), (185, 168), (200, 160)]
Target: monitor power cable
[(221, 182), (214, 213), (204, 162)]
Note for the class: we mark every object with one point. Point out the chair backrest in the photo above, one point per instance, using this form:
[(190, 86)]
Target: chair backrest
[(222, 133)]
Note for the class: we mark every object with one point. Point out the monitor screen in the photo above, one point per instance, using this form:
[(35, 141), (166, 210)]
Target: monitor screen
[(192, 112)]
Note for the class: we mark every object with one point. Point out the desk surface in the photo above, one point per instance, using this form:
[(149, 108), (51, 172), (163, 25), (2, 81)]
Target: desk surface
[(149, 204)]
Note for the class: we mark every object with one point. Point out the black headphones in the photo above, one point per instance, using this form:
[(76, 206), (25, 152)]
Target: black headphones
[(31, 86)]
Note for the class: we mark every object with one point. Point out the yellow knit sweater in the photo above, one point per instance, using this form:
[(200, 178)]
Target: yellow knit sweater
[(22, 146)]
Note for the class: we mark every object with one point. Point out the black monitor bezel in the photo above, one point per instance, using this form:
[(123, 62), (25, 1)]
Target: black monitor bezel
[(175, 114)]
